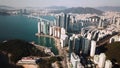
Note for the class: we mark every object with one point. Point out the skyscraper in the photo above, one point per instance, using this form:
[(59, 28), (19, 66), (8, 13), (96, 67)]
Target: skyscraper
[(101, 24), (85, 46), (63, 21), (108, 64), (70, 44), (101, 62), (58, 20), (93, 47), (75, 60), (67, 26), (77, 46), (39, 27)]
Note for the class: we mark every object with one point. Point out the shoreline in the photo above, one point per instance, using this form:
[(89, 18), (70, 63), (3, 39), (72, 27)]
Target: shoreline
[(47, 50), (57, 41), (61, 51)]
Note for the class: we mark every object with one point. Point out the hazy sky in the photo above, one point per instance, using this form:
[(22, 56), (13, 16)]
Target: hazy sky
[(67, 3)]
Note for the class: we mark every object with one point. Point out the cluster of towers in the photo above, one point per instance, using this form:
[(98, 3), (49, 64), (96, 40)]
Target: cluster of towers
[(61, 20), (79, 44), (116, 21), (64, 21), (81, 47), (83, 44)]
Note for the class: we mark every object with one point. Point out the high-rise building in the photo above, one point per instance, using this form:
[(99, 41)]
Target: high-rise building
[(108, 64), (50, 30), (70, 44), (63, 21), (96, 59), (85, 46), (63, 40), (75, 60), (118, 22), (63, 31), (77, 45), (67, 27), (39, 27), (58, 20), (101, 62), (43, 27), (47, 28), (93, 47), (101, 24), (71, 23)]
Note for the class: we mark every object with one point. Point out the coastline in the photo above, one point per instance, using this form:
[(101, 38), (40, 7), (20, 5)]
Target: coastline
[(44, 49), (61, 51), (57, 41)]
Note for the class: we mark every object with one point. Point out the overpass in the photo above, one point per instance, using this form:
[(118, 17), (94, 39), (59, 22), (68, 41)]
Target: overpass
[(105, 40)]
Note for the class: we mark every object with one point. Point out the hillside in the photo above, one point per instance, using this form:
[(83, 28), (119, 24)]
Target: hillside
[(4, 62), (80, 10), (18, 49), (113, 52)]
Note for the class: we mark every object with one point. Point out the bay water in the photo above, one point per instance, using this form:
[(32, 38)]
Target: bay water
[(24, 28)]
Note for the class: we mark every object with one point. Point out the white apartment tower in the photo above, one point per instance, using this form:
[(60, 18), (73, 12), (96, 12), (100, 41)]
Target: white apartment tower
[(75, 60), (108, 64), (101, 24), (101, 62), (93, 47), (39, 27)]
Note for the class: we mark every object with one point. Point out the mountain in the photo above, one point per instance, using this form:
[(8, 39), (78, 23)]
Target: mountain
[(109, 8), (2, 7), (57, 7), (80, 10), (4, 13)]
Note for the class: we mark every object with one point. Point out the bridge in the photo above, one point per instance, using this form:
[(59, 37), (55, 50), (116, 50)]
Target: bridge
[(39, 18)]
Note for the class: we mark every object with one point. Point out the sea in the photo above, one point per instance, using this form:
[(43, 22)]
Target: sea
[(24, 28)]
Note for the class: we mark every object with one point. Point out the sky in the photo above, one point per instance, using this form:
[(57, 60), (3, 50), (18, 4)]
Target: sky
[(66, 3)]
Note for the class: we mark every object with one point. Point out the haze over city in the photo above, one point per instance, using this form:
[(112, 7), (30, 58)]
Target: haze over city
[(59, 33), (66, 3)]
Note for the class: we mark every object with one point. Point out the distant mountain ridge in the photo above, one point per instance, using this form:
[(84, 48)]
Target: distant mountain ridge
[(56, 7), (2, 7), (109, 8), (80, 10)]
